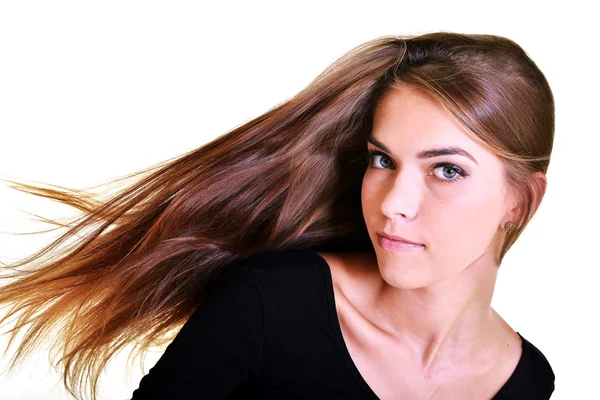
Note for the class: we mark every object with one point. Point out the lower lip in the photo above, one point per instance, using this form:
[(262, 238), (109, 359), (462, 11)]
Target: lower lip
[(395, 245)]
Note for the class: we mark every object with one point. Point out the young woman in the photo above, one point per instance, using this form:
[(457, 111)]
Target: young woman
[(344, 245)]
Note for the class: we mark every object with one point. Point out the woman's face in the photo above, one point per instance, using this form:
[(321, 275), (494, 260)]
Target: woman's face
[(412, 191)]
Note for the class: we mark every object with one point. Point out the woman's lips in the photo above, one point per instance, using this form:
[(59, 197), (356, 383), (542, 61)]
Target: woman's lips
[(397, 245), (396, 237)]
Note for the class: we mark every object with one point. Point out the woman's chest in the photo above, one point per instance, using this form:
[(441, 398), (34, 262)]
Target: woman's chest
[(393, 381), (390, 374), (387, 369)]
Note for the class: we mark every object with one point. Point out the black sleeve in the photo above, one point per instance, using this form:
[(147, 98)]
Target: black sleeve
[(218, 348)]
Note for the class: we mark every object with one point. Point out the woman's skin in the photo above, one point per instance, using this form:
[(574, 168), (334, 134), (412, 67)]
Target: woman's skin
[(419, 323)]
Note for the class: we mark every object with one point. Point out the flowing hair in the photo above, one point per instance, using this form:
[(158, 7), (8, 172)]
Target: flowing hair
[(131, 267)]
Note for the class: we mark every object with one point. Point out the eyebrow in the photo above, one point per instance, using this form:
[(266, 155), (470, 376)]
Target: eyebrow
[(444, 151)]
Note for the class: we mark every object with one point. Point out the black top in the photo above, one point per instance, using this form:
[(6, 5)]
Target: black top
[(269, 330)]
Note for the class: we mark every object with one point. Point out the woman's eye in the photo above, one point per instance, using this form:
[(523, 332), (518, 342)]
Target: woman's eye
[(448, 172), (383, 161)]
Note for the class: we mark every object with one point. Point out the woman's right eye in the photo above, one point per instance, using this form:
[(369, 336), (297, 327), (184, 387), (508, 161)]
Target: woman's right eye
[(377, 163)]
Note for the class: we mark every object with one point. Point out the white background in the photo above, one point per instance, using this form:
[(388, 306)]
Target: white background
[(94, 90)]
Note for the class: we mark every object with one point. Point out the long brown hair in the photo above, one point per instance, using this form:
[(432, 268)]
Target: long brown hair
[(132, 267)]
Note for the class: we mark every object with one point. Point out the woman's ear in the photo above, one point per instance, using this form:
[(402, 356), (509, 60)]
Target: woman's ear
[(537, 184), (526, 199), (540, 183)]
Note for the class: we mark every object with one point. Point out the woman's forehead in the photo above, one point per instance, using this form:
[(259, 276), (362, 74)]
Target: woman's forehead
[(410, 124), (406, 116)]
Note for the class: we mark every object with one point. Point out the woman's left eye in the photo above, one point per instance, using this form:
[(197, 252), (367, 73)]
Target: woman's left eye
[(456, 173), (444, 167)]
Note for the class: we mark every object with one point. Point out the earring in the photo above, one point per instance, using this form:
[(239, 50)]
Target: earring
[(509, 225)]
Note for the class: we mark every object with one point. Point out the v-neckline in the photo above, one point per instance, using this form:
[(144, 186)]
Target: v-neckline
[(350, 362)]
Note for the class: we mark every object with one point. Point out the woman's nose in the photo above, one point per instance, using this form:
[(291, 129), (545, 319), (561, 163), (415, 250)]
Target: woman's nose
[(400, 197)]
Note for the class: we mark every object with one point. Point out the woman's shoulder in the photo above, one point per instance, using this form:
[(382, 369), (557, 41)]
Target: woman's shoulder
[(538, 366), (283, 262), (343, 267), (294, 273), (286, 271), (532, 378)]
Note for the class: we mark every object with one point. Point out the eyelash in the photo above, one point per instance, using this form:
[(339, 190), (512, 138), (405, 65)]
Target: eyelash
[(459, 171)]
